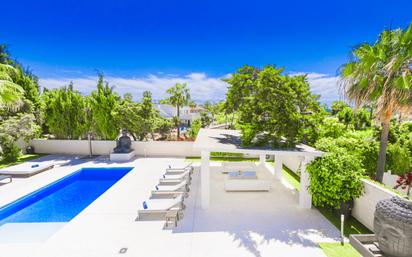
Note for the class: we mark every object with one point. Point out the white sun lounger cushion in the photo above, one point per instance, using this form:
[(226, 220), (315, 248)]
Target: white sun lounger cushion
[(171, 187), (162, 204), (176, 176), (27, 168)]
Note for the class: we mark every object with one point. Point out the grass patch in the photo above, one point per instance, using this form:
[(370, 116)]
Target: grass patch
[(337, 250), (352, 225), (291, 177), (23, 158)]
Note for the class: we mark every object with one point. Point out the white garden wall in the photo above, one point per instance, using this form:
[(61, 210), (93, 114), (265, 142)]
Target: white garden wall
[(142, 148), (390, 181), (364, 208)]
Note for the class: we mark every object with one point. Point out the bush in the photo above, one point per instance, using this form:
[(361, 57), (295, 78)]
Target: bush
[(194, 128), (20, 126), (398, 159), (335, 178), (331, 127), (11, 152), (356, 144)]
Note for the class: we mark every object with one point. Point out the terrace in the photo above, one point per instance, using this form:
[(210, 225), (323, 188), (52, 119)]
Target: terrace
[(235, 224)]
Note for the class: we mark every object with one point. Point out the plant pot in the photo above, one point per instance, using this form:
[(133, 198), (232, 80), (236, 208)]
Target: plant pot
[(346, 209)]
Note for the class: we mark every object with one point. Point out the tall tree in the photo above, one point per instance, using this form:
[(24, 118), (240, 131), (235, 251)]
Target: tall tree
[(102, 102), (179, 97), (381, 73), (65, 112), (272, 107)]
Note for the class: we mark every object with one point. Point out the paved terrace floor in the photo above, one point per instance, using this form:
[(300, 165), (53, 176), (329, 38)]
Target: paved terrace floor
[(236, 224)]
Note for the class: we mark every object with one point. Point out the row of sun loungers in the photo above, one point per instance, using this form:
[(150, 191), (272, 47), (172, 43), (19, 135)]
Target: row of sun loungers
[(167, 198)]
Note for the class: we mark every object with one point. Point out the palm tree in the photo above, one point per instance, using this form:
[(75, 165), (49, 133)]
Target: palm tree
[(381, 74), (10, 92), (179, 97)]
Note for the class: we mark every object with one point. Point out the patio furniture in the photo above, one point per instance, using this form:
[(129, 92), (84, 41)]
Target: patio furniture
[(4, 177), (172, 188), (242, 175), (245, 181), (172, 216), (161, 206), (176, 177), (238, 166), (189, 167), (26, 169)]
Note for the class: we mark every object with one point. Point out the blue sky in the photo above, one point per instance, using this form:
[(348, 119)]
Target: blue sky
[(137, 44)]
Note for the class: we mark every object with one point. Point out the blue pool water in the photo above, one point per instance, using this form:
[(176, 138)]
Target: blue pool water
[(64, 199)]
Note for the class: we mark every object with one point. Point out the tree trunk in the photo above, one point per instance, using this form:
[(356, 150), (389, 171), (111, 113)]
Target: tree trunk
[(382, 149), (178, 122)]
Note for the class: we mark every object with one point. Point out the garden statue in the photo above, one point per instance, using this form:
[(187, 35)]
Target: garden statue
[(123, 143), (393, 227)]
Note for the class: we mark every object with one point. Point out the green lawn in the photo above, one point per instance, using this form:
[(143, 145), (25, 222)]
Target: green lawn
[(23, 158), (337, 250)]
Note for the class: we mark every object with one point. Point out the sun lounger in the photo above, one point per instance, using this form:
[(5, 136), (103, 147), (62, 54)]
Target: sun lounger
[(4, 177), (176, 177), (189, 167), (161, 206), (172, 188), (26, 169)]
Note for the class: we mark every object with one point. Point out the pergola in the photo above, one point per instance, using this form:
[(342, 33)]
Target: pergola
[(229, 141)]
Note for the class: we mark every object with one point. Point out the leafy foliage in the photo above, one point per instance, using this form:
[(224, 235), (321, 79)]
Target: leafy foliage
[(179, 97), (20, 126), (355, 144), (331, 127), (346, 116), (138, 118), (65, 113), (102, 102), (195, 127), (338, 106), (335, 178), (381, 74), (272, 107)]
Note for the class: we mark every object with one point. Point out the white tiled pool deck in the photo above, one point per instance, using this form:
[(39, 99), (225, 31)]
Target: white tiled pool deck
[(236, 224)]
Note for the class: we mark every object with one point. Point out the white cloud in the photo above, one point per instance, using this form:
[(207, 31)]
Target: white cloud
[(202, 87), (325, 86)]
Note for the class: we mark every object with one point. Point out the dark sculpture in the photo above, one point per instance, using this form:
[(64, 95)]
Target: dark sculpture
[(393, 227), (123, 143)]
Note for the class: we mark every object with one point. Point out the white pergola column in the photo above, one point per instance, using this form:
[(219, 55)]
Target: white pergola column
[(305, 199), (262, 159), (278, 167), (205, 179)]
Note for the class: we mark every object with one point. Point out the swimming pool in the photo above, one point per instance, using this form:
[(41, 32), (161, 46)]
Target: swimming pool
[(62, 200)]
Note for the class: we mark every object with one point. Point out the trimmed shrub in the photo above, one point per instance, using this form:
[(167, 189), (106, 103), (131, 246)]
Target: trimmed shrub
[(335, 178)]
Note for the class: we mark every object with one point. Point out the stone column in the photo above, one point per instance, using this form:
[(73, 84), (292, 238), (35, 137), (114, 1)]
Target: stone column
[(305, 199), (205, 179)]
